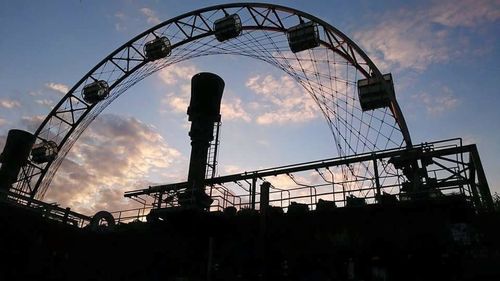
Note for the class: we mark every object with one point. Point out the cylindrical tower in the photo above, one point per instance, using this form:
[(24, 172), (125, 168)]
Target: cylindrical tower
[(204, 112), (14, 156)]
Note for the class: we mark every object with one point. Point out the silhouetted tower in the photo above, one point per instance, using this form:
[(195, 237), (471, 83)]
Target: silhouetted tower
[(204, 113), (15, 155)]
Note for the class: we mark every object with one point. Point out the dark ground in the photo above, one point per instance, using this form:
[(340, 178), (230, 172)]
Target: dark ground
[(442, 240)]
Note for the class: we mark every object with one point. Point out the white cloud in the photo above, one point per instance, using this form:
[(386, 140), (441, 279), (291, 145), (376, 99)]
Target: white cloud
[(284, 181), (177, 77), (404, 41), (121, 20), (467, 13), (230, 110), (150, 15), (176, 104), (282, 100), (9, 103), (180, 77), (3, 122), (177, 73), (35, 93), (438, 102), (232, 169), (32, 122), (58, 87), (113, 155), (416, 38), (281, 117), (233, 109), (45, 102)]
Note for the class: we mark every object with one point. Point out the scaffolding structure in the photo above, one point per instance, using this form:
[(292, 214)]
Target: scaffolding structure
[(446, 169)]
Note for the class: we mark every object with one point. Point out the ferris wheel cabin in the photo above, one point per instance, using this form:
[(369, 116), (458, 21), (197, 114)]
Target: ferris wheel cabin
[(44, 152), (157, 48), (95, 91), (227, 27), (373, 94), (303, 37)]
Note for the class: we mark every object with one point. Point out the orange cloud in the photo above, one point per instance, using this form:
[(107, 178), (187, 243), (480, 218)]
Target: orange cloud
[(113, 155)]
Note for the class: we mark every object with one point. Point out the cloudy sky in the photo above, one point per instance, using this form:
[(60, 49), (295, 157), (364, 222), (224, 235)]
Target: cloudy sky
[(444, 57)]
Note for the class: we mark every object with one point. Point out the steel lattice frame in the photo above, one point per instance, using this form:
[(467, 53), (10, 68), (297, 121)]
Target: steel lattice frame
[(329, 73)]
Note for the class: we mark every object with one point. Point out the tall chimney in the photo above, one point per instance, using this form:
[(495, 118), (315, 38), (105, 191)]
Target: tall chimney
[(15, 155), (204, 112)]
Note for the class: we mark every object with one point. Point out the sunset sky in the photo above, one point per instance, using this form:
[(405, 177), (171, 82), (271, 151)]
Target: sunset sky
[(444, 57)]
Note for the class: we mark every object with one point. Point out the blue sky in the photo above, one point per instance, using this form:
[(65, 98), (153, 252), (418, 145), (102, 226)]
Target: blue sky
[(444, 57)]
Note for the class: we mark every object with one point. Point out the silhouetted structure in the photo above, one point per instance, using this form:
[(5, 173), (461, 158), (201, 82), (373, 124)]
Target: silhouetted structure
[(440, 229), (14, 156), (204, 113), (414, 212)]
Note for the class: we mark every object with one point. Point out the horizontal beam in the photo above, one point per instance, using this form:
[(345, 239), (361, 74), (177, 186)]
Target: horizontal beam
[(305, 167), (331, 162)]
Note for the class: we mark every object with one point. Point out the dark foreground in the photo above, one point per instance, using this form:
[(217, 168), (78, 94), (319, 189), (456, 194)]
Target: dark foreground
[(440, 240)]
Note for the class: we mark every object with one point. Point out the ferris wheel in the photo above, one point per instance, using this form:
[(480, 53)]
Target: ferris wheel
[(357, 101)]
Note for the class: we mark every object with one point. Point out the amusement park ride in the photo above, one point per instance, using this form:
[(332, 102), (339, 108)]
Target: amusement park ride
[(377, 166)]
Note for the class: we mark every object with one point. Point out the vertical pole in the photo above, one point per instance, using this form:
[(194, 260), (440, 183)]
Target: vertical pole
[(311, 193), (343, 194), (252, 192), (377, 181), (224, 195), (66, 215), (264, 204), (216, 146), (160, 197), (472, 182), (484, 189), (333, 186), (264, 197)]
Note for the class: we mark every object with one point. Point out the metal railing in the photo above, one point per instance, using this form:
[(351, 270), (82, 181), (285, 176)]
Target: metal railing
[(450, 168), (445, 168), (46, 210)]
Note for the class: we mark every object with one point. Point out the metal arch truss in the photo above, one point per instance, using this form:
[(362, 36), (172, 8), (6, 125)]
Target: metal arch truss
[(328, 73)]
